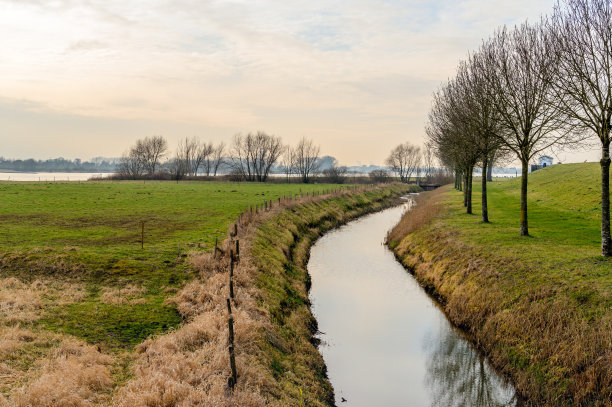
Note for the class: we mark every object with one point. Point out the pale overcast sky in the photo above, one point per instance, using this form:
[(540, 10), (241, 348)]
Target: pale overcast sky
[(88, 78)]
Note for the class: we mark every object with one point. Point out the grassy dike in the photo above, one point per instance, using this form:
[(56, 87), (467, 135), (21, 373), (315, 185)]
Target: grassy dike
[(540, 307)]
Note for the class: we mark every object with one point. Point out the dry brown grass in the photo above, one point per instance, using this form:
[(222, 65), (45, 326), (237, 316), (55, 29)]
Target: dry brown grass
[(22, 302), (554, 355), (426, 208), (74, 375), (190, 366), (39, 368), (130, 294)]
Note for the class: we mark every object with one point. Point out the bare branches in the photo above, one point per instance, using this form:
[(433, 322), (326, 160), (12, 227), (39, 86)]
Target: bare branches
[(144, 158), (254, 154), (306, 159), (581, 37), (404, 160)]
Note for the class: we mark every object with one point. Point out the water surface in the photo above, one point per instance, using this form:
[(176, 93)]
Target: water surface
[(50, 176), (385, 342)]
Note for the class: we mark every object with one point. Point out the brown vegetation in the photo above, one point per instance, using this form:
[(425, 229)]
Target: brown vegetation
[(190, 366), (532, 331)]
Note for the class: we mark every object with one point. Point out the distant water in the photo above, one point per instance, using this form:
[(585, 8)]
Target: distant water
[(384, 341), (50, 176)]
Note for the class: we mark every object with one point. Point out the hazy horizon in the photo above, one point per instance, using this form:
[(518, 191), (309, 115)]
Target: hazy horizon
[(87, 78)]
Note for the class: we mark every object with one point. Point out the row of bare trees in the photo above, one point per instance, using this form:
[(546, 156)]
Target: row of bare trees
[(250, 157), (528, 89), (406, 160), (150, 156)]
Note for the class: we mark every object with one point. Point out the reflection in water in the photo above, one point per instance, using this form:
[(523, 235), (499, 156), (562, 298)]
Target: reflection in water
[(458, 376), (376, 318)]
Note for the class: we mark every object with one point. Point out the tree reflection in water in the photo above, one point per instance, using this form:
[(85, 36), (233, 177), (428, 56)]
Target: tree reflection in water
[(458, 376)]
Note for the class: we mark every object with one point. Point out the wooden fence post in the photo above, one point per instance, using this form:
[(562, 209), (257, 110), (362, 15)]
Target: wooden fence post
[(232, 380)]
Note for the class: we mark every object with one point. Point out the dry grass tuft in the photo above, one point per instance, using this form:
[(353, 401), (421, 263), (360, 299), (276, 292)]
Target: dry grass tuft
[(130, 294), (22, 302), (74, 375)]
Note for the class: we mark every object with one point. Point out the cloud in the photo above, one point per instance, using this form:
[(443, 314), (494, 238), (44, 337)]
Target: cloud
[(86, 45), (358, 69)]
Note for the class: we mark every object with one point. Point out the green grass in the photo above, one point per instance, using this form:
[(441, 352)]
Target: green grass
[(540, 305), (564, 216), (90, 232)]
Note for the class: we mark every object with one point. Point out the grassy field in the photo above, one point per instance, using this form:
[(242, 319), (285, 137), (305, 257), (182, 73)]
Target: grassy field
[(75, 249), (541, 306)]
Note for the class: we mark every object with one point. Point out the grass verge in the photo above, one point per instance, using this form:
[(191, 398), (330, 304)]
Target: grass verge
[(539, 306)]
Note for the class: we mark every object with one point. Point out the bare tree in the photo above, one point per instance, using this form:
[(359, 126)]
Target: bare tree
[(216, 158), (379, 176), (404, 160), (144, 157), (287, 162), (130, 167), (306, 159), (428, 161), (177, 167), (253, 155), (336, 173), (582, 37), (485, 128), (519, 67), (153, 149), (202, 153), (450, 130)]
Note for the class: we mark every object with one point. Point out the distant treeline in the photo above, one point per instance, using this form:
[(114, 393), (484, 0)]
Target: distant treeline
[(59, 165)]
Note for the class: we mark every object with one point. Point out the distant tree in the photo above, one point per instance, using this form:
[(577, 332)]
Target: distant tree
[(153, 149), (130, 167), (253, 155), (177, 167), (306, 156), (379, 176), (335, 174), (193, 153), (404, 160), (287, 162), (428, 161), (143, 158), (202, 153), (215, 159)]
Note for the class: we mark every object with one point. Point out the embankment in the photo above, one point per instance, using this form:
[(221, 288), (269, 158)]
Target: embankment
[(276, 354), (539, 307)]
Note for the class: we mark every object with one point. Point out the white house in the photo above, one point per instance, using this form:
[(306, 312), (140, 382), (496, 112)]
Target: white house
[(545, 161)]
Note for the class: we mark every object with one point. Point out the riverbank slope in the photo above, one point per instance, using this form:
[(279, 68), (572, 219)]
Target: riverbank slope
[(539, 306), (276, 354)]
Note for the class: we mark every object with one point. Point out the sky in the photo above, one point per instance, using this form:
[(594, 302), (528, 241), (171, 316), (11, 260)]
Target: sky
[(89, 78)]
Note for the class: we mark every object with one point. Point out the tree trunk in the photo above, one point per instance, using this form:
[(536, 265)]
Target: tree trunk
[(469, 189), (465, 189), (605, 199), (485, 175), (489, 171), (524, 174)]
